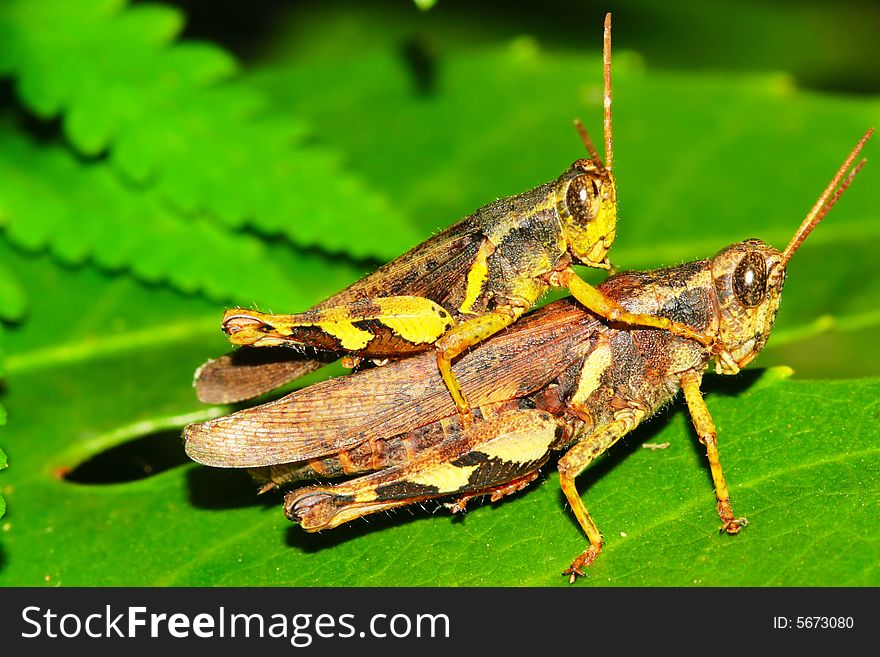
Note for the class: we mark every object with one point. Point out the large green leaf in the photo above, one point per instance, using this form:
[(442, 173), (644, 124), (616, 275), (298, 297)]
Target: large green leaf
[(801, 459), (103, 360), (2, 462)]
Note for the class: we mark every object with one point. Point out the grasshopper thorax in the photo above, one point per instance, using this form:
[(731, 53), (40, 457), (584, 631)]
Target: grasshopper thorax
[(586, 200), (747, 296)]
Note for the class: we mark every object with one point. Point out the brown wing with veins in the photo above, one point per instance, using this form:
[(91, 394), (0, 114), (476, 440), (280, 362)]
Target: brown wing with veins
[(335, 415)]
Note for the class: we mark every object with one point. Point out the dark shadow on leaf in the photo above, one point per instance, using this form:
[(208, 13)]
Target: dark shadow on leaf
[(731, 386), (223, 488), (133, 460), (315, 542)]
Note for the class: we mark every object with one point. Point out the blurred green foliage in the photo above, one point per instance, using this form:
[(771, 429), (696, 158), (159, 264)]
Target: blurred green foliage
[(159, 163), (2, 462)]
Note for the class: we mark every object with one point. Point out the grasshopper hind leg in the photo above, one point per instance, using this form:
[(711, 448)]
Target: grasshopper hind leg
[(490, 457)]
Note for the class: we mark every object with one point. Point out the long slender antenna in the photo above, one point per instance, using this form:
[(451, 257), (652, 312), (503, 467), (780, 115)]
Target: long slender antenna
[(829, 197), (591, 147), (606, 101)]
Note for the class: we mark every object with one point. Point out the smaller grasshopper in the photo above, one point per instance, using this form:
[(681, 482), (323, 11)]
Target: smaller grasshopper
[(561, 378), (459, 287)]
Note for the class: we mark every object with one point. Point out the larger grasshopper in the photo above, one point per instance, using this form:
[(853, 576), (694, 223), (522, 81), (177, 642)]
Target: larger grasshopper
[(561, 378), (459, 287)]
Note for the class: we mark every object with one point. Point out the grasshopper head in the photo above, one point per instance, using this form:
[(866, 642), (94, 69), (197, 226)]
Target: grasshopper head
[(586, 200), (749, 276), (586, 194), (748, 296)]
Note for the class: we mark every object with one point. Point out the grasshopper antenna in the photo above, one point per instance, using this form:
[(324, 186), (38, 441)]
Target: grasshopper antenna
[(591, 147), (606, 107), (606, 99), (829, 197)]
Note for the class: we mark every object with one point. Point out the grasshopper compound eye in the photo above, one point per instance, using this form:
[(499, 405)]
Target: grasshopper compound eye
[(582, 198), (750, 280)]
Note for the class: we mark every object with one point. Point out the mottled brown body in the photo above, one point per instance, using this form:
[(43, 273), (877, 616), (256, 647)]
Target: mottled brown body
[(436, 270), (562, 378), (497, 261), (643, 367)]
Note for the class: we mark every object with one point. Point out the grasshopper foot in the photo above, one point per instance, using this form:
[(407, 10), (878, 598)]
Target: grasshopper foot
[(730, 523), (583, 560), (459, 506), (733, 525)]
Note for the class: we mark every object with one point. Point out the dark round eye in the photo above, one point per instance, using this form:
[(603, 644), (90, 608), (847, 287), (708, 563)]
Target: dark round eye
[(580, 198), (750, 280)]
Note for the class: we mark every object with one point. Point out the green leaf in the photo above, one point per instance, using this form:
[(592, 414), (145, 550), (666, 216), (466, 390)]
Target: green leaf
[(3, 462), (796, 465), (13, 303), (174, 115), (702, 160), (12, 306), (82, 212)]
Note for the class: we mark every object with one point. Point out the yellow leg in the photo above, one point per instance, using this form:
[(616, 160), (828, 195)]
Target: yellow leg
[(594, 300), (461, 337), (405, 322), (690, 383), (576, 461)]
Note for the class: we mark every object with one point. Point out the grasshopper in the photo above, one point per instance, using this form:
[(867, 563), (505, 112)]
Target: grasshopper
[(560, 378), (457, 288)]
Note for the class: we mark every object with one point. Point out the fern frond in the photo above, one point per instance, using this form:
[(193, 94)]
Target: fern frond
[(13, 301), (176, 115), (84, 212)]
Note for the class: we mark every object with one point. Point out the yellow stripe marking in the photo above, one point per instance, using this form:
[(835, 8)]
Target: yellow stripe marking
[(415, 319), (523, 446), (350, 336), (447, 478), (477, 276), (591, 373)]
